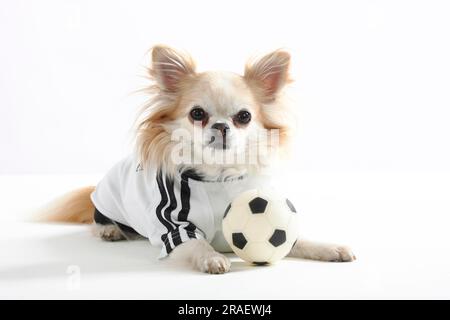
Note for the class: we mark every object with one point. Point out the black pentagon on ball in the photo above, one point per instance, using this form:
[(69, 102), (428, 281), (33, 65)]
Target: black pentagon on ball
[(291, 206), (278, 237), (226, 210), (258, 205), (239, 240)]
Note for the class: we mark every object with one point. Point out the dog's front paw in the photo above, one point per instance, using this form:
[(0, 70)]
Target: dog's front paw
[(322, 251), (214, 263), (341, 254)]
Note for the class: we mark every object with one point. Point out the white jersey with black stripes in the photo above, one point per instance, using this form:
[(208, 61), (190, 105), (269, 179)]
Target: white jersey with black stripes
[(168, 211)]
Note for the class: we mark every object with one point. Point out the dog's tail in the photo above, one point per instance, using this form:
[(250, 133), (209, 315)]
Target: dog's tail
[(75, 207)]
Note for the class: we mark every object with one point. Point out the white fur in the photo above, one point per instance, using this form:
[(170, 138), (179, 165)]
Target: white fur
[(201, 256), (321, 251), (109, 232)]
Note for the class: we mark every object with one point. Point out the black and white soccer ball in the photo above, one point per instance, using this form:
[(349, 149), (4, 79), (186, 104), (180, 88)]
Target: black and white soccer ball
[(260, 226)]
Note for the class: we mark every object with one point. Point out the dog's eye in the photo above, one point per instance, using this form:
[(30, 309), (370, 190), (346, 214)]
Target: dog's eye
[(243, 117), (198, 114)]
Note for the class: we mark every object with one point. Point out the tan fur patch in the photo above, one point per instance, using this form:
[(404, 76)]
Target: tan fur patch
[(75, 206)]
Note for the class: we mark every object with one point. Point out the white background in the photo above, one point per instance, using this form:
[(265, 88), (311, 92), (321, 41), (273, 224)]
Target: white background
[(372, 76), (372, 163)]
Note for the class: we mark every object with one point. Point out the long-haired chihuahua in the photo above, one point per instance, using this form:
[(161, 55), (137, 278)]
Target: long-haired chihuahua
[(201, 139)]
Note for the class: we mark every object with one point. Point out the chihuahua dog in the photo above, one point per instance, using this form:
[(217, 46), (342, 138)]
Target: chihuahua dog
[(198, 145)]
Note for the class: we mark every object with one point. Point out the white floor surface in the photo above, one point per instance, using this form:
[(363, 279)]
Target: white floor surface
[(397, 224)]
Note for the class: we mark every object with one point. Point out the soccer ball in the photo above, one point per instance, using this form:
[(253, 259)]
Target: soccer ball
[(260, 226)]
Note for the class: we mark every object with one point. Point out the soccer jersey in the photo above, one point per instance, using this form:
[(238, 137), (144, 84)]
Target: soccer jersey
[(168, 211)]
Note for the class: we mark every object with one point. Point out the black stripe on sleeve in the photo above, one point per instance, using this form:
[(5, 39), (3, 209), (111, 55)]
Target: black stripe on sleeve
[(185, 200), (168, 211), (185, 205), (159, 208)]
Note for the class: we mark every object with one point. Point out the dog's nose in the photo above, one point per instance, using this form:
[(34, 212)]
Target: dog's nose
[(222, 127)]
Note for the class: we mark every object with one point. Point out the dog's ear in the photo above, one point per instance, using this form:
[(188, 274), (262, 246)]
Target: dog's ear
[(169, 67), (269, 74)]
